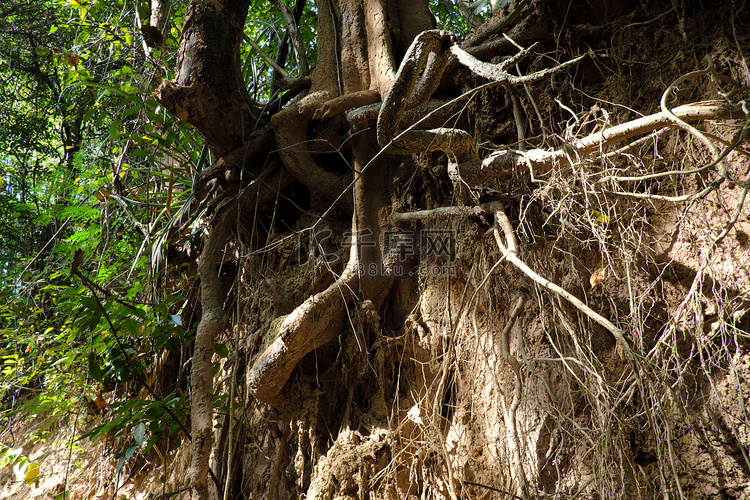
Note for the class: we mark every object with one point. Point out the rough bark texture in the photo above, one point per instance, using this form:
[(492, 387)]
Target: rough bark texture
[(209, 90), (368, 59), (159, 14), (540, 290), (213, 321)]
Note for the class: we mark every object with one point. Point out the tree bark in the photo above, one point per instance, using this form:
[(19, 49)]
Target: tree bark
[(208, 91), (364, 30), (359, 43)]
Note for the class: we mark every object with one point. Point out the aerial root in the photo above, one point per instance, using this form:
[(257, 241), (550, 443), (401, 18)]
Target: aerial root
[(511, 412)]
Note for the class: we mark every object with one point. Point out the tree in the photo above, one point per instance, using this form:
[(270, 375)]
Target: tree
[(359, 48), (74, 152), (354, 179), (210, 94)]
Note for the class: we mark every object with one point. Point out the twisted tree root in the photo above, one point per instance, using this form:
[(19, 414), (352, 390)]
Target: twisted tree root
[(213, 321), (421, 69), (416, 80), (290, 128), (511, 413), (322, 317), (314, 323)]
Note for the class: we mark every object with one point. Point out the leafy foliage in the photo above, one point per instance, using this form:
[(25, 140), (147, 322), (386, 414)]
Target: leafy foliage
[(88, 163)]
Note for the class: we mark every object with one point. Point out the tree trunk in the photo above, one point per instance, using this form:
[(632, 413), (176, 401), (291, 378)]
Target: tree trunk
[(367, 50), (357, 59), (209, 92), (403, 339)]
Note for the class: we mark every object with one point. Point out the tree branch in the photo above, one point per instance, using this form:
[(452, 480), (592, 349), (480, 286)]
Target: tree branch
[(297, 43)]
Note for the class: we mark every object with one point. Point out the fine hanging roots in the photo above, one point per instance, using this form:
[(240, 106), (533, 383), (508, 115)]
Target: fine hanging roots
[(577, 353), (618, 412)]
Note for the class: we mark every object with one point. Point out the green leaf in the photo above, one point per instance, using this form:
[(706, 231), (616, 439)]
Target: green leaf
[(138, 311), (131, 325), (132, 110), (125, 457), (90, 303), (32, 473), (154, 116), (139, 433), (221, 350), (114, 131), (95, 370)]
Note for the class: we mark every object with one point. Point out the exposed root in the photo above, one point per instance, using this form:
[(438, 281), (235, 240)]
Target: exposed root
[(424, 64), (290, 126), (314, 323), (346, 102), (502, 162), (321, 318), (510, 253), (416, 80), (511, 412), (213, 321), (260, 141)]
